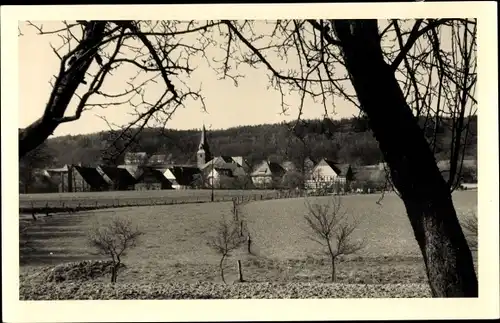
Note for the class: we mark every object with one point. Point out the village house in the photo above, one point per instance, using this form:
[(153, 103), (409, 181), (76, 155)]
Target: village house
[(223, 167), (227, 162), (328, 174), (290, 166), (86, 179), (118, 179), (134, 170), (152, 179), (368, 178), (217, 177), (38, 181), (267, 174), (59, 177), (182, 177), (242, 162), (78, 178), (309, 164)]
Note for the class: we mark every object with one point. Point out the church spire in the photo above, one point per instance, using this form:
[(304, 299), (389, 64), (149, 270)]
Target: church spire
[(203, 154), (203, 141)]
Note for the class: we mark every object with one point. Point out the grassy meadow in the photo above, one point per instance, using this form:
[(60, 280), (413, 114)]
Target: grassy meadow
[(174, 247)]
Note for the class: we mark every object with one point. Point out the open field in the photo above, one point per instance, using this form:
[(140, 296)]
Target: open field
[(174, 250), (134, 197)]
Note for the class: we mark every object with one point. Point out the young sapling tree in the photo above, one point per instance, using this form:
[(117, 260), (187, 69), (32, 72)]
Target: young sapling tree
[(332, 228), (226, 240)]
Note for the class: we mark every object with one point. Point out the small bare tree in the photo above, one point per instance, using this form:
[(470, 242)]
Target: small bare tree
[(114, 240), (470, 227), (225, 241), (332, 229)]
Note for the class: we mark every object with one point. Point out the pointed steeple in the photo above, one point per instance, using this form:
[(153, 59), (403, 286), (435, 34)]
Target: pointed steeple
[(203, 154), (203, 141)]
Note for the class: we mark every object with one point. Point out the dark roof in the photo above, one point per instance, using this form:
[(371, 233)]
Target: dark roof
[(119, 175), (153, 175), (227, 166), (344, 168), (227, 159), (184, 175), (91, 176), (340, 169), (227, 162), (221, 161), (275, 169), (224, 170)]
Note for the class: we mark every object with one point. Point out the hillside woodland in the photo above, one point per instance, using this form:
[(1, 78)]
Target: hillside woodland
[(345, 141)]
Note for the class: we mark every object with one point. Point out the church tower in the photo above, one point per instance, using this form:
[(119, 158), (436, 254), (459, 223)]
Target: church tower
[(203, 154)]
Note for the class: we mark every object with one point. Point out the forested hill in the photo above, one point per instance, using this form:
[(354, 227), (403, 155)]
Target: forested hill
[(345, 140)]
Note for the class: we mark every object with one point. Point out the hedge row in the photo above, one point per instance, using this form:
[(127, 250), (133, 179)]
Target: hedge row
[(207, 290)]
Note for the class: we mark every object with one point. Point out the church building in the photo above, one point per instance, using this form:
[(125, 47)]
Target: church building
[(220, 171)]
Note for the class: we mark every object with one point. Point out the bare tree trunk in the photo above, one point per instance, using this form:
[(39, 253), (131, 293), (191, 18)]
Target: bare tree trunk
[(221, 266), (240, 272), (332, 259), (113, 273), (116, 267), (333, 270), (64, 90), (426, 196)]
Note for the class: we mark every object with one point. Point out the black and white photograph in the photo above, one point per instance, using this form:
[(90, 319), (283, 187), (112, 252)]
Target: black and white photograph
[(300, 157)]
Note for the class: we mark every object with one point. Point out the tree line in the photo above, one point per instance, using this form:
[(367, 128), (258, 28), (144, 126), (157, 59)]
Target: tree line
[(347, 140)]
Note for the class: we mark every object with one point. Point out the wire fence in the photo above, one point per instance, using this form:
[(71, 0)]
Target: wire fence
[(82, 204)]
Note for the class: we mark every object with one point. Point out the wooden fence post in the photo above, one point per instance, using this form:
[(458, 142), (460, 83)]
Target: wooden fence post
[(249, 244)]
